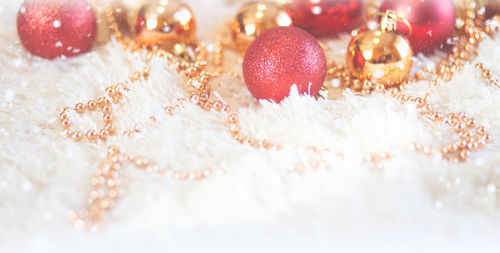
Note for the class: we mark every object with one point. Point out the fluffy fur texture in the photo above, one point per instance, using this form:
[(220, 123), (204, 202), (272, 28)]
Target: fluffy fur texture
[(414, 203)]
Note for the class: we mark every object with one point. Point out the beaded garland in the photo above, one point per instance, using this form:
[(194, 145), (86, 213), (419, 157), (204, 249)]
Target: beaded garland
[(105, 185)]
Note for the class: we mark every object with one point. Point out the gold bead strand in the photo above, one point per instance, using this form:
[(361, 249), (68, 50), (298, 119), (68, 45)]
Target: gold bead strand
[(105, 185), (487, 75), (471, 137), (105, 104)]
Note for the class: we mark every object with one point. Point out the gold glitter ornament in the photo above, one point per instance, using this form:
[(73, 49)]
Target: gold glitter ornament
[(383, 56), (255, 18), (163, 23)]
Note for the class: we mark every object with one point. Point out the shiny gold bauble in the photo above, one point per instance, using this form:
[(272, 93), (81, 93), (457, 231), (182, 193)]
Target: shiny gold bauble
[(255, 18), (384, 57), (163, 23)]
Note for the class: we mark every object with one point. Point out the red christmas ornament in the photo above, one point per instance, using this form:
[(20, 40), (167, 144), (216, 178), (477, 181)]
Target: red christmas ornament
[(53, 28), (432, 21), (280, 58), (328, 17)]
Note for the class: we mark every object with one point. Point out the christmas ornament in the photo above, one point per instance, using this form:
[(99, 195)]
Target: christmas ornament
[(282, 57), (383, 55), (51, 29), (163, 23), (328, 17), (255, 18), (432, 21)]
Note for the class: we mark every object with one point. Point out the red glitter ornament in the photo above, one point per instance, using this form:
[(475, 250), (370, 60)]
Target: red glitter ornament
[(328, 17), (280, 58), (432, 21), (53, 28)]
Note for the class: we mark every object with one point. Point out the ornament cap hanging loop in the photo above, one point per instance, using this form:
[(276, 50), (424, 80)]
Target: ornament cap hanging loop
[(390, 20)]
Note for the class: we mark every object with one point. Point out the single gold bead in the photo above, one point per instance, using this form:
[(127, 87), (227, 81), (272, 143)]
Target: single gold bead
[(103, 134), (68, 132), (487, 138), (106, 109), (110, 128), (181, 101), (80, 108), (169, 110), (108, 118), (486, 74), (63, 116), (146, 72), (66, 123), (226, 108), (195, 99), (463, 155), (102, 101), (113, 194), (76, 135), (454, 147), (241, 139), (217, 105), (92, 134), (233, 118), (141, 162), (116, 99), (113, 150), (480, 130), (470, 146), (137, 128), (65, 110), (204, 96), (444, 150), (237, 137), (234, 129), (91, 105), (127, 133), (110, 90), (137, 75), (471, 123), (207, 106), (251, 141), (265, 144)]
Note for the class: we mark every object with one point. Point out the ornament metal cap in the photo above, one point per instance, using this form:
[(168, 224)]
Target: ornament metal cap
[(389, 21)]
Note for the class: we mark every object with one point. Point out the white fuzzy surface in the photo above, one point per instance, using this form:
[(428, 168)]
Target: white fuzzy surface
[(415, 204)]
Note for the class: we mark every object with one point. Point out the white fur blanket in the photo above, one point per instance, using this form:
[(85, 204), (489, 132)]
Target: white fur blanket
[(414, 204)]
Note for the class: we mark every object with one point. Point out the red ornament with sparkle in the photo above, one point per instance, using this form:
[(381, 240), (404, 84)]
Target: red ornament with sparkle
[(328, 17), (282, 57), (53, 28), (432, 21)]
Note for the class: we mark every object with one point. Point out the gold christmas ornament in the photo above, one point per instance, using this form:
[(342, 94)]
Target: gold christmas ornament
[(255, 18), (383, 56), (163, 23)]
